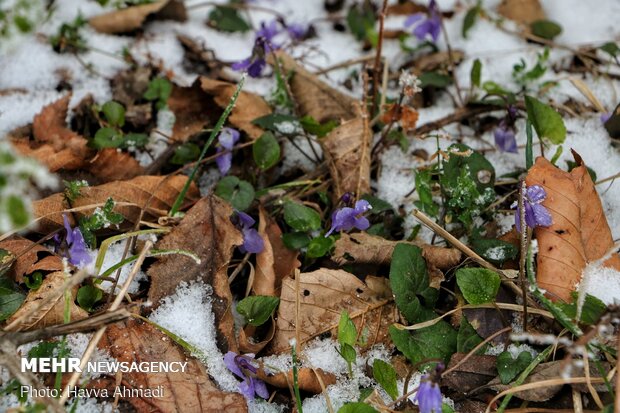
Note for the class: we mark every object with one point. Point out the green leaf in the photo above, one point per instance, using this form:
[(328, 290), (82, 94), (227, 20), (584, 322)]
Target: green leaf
[(45, 349), (159, 90), (257, 308), (73, 189), (296, 240), (546, 29), (546, 121), (470, 19), (378, 205), (423, 187), (312, 126), (319, 246), (529, 145), (348, 353), (494, 250), (476, 73), (22, 23), (239, 193), (436, 79), (137, 140), (508, 368), (357, 407), (186, 153), (385, 375), (408, 280), (361, 22), (114, 113), (266, 151), (478, 168), (88, 296), (227, 19), (107, 138), (434, 342), (467, 338), (300, 217), (478, 285), (347, 333), (33, 281), (104, 217), (17, 211), (277, 122), (10, 298), (592, 310), (611, 49), (494, 88)]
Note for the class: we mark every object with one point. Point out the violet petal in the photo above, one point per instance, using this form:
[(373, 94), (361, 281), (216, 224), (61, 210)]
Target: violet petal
[(536, 194), (413, 19), (252, 241), (231, 364), (223, 161), (542, 217), (260, 388)]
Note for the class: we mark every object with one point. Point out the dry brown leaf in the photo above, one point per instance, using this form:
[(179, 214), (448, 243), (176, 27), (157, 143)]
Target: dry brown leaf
[(548, 371), (29, 257), (473, 373), (370, 249), (275, 262), (437, 60), (132, 18), (579, 233), (315, 97), (191, 391), (323, 294), (347, 150), (105, 165), (206, 230), (522, 11), (306, 379), (191, 107), (156, 193), (248, 343), (51, 314), (249, 105)]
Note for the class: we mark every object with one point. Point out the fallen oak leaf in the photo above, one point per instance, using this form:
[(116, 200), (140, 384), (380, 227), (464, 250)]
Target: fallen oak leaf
[(249, 105), (155, 194), (307, 379), (53, 312), (132, 18), (370, 249), (206, 231), (313, 96), (189, 391), (579, 233), (347, 150), (323, 295)]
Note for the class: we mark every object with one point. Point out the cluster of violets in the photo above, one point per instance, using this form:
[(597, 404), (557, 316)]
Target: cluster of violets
[(265, 43), (72, 246), (426, 26)]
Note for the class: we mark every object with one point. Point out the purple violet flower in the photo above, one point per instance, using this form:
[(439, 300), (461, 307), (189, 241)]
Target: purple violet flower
[(263, 44), (346, 218), (505, 138), (535, 213), (227, 139), (605, 117), (77, 250), (252, 241), (428, 396), (297, 31), (242, 367), (426, 24)]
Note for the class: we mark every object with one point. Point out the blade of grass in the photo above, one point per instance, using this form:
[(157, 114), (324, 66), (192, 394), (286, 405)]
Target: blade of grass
[(214, 132)]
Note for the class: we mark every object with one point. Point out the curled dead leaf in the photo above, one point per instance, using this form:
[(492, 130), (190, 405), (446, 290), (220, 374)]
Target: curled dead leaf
[(29, 257), (51, 314), (347, 150), (323, 294), (249, 105), (131, 18), (206, 231), (275, 262), (306, 379), (315, 97), (155, 194), (248, 343), (579, 234), (189, 391), (370, 249)]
